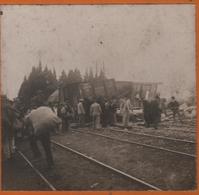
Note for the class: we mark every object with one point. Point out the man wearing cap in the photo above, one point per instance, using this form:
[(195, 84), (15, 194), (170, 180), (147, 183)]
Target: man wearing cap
[(81, 112)]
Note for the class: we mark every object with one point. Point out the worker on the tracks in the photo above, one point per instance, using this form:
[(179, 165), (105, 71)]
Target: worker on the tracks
[(146, 111), (113, 110), (155, 111), (174, 107), (95, 112), (107, 110), (41, 122), (66, 115), (125, 109), (81, 113)]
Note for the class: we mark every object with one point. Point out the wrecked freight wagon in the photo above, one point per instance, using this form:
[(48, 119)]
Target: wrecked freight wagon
[(87, 90)]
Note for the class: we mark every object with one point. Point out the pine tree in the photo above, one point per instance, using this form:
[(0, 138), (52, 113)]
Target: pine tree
[(90, 76), (63, 78), (96, 73), (102, 75), (86, 76), (54, 74), (77, 75), (39, 85), (71, 77)]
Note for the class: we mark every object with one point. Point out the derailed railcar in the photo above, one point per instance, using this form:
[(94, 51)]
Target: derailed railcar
[(143, 91), (87, 90), (137, 91)]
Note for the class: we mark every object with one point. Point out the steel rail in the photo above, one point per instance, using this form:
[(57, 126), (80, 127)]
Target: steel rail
[(107, 166), (121, 126), (37, 171), (137, 143), (155, 136)]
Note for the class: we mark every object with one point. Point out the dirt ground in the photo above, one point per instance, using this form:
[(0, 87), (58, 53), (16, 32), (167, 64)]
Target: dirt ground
[(165, 170)]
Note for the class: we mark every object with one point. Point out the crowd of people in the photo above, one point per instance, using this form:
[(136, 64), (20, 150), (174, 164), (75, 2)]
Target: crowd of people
[(42, 120), (102, 112)]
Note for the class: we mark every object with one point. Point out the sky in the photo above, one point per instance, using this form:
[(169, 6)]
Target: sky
[(133, 42)]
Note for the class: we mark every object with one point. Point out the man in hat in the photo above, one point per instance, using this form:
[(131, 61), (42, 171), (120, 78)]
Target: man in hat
[(81, 112)]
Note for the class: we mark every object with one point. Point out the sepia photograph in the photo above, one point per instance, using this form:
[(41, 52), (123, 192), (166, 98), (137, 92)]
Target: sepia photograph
[(98, 97)]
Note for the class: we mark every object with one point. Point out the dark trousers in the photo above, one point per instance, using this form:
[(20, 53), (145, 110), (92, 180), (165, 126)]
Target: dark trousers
[(176, 112), (45, 141), (65, 124), (81, 119)]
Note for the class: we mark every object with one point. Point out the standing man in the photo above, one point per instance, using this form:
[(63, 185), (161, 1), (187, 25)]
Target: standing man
[(155, 111), (147, 114), (95, 112), (66, 115), (174, 107), (8, 131), (40, 122), (107, 111), (126, 111), (113, 110), (81, 113)]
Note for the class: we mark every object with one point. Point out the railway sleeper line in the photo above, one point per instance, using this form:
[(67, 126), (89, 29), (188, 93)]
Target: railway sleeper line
[(155, 136), (116, 171), (107, 166), (52, 188), (167, 128), (137, 143)]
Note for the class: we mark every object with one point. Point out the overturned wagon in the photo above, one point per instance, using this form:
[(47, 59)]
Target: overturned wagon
[(87, 90), (137, 91)]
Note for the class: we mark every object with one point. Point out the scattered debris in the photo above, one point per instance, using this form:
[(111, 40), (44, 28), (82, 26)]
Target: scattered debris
[(94, 185)]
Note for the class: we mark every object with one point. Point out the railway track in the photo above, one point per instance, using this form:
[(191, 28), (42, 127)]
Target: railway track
[(45, 180), (137, 143), (119, 172), (164, 128), (154, 136), (134, 181)]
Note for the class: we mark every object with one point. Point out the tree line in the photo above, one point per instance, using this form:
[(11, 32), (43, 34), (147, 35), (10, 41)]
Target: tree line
[(42, 82)]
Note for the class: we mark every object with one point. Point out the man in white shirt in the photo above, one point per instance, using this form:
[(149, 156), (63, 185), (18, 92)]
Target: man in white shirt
[(95, 112), (81, 112), (126, 111)]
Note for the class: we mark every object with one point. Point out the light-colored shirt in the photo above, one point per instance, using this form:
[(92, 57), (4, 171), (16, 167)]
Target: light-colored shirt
[(43, 118), (95, 109), (80, 108), (126, 106)]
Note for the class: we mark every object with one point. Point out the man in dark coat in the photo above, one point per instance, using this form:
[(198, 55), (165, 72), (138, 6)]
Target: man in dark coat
[(155, 111), (152, 112), (147, 115), (8, 131), (174, 107)]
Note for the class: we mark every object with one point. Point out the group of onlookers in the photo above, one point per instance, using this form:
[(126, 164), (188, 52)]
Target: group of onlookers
[(99, 111), (41, 120), (102, 112)]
